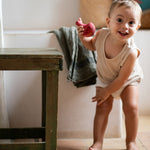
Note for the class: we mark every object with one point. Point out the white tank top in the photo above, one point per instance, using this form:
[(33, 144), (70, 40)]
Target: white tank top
[(108, 69)]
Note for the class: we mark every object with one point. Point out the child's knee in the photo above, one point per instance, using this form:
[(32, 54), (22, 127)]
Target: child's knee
[(131, 109), (105, 107)]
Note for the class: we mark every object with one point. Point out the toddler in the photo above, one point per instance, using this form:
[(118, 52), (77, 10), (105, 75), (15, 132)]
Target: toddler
[(118, 69)]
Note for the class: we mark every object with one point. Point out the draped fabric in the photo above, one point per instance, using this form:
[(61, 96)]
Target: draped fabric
[(81, 63)]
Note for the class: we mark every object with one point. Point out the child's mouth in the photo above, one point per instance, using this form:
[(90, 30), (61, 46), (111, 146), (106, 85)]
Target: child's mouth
[(122, 33)]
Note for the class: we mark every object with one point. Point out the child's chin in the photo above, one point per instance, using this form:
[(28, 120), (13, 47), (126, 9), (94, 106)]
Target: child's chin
[(123, 38)]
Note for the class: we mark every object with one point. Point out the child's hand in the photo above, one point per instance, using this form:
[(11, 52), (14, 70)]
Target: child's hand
[(89, 29), (80, 30), (101, 95)]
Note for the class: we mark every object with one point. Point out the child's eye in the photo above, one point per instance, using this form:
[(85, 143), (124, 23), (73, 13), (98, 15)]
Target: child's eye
[(131, 22), (119, 20)]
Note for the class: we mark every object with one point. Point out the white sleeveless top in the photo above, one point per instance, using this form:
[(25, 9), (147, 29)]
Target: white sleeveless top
[(108, 69)]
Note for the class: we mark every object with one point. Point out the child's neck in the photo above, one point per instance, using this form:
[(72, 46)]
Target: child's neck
[(116, 43), (113, 47)]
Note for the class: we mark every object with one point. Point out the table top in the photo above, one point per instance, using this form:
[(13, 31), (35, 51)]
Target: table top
[(29, 53)]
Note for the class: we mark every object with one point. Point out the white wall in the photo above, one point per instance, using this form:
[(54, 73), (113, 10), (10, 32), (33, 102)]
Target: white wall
[(39, 14), (142, 39)]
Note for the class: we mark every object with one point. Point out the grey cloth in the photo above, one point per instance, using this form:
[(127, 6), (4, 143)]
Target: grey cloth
[(81, 63)]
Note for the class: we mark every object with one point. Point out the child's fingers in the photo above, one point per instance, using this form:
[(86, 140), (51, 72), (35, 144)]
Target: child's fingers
[(94, 99), (80, 33), (80, 28), (100, 102)]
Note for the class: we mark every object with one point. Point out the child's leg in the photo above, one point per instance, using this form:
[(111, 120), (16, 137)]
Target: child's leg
[(130, 97), (100, 123)]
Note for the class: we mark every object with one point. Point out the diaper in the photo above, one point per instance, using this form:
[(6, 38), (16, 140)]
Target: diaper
[(116, 94)]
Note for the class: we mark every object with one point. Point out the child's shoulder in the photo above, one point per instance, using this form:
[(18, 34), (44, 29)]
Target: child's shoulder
[(102, 31), (99, 34), (133, 47)]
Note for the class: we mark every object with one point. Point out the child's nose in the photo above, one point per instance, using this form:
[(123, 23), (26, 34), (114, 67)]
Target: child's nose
[(125, 26)]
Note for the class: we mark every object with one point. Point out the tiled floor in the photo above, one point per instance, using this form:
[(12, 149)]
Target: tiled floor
[(143, 140), (144, 132)]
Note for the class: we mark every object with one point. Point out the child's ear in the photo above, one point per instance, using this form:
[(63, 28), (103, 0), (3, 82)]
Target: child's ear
[(139, 25), (107, 21)]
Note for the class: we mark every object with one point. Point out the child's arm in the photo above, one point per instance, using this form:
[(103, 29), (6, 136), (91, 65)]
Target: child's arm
[(125, 72)]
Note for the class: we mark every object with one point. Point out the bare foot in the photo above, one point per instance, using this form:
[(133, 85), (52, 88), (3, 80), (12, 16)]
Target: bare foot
[(96, 146), (132, 146)]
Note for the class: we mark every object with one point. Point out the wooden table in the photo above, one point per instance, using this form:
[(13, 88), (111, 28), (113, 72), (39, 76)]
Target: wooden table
[(49, 61)]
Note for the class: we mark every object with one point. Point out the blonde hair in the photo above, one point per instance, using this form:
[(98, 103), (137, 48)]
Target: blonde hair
[(128, 4)]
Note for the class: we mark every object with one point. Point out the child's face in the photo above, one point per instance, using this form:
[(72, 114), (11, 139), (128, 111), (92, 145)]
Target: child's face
[(123, 22)]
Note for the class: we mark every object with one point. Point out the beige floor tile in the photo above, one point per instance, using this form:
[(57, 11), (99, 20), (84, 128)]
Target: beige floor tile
[(144, 131), (109, 144), (143, 140), (114, 144), (74, 144)]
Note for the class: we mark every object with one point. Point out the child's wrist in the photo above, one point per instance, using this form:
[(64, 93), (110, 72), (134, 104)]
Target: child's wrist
[(108, 90)]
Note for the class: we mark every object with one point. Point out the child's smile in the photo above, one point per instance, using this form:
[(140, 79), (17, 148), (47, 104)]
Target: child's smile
[(123, 33)]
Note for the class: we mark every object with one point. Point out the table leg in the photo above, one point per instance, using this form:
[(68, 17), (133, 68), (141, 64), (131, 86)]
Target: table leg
[(51, 109), (43, 97)]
